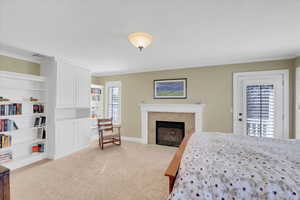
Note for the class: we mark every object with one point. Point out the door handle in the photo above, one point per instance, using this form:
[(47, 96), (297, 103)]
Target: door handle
[(240, 117)]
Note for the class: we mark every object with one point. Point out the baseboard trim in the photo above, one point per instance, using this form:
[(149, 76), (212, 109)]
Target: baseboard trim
[(132, 139)]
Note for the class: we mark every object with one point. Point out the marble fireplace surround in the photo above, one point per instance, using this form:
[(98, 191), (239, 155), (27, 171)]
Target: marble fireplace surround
[(161, 110)]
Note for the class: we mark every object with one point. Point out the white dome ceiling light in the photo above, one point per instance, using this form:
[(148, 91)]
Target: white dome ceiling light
[(140, 40)]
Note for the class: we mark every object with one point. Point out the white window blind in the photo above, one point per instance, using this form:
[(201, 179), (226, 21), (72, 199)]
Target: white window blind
[(114, 104), (260, 110), (113, 101)]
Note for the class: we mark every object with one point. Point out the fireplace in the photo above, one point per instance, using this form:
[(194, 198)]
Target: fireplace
[(169, 133)]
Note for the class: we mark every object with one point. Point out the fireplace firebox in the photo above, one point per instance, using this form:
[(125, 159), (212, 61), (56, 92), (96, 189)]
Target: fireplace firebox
[(169, 133)]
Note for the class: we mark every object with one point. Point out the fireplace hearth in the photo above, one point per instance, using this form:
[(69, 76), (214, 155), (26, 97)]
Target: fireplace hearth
[(169, 133)]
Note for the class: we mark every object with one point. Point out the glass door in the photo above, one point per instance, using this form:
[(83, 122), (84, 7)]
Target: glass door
[(259, 105)]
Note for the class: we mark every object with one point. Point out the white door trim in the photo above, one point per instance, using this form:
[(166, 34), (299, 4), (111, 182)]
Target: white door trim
[(285, 74)]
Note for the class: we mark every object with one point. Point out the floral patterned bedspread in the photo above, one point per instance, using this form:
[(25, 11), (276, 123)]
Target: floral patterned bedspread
[(227, 166)]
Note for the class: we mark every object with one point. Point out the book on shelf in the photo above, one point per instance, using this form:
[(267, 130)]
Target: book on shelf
[(96, 90), (15, 125), (40, 121), (10, 109), (35, 148), (44, 134), (41, 147), (38, 108), (41, 133), (5, 156), (38, 148), (5, 141), (43, 120), (37, 122), (7, 125)]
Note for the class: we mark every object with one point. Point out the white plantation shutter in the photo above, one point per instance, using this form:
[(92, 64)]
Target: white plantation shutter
[(260, 110), (114, 104)]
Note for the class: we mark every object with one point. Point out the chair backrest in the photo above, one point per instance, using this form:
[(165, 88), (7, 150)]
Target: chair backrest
[(105, 124)]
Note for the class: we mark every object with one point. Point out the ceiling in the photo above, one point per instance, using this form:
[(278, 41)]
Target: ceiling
[(93, 33)]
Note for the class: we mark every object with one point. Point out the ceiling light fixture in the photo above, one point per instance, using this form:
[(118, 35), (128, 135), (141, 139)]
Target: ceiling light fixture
[(140, 40)]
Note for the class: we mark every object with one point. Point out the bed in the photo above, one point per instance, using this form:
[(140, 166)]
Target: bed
[(228, 166)]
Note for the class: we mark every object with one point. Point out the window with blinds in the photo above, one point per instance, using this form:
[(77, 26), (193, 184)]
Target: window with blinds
[(114, 104), (260, 110)]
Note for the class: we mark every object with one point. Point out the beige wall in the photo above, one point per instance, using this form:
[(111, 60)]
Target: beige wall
[(94, 80), (209, 85), (17, 65), (297, 100), (297, 62)]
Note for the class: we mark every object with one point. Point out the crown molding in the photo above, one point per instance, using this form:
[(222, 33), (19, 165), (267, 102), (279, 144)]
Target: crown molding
[(12, 54)]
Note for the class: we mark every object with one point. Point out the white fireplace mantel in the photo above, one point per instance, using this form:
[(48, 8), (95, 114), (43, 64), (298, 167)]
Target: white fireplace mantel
[(197, 109)]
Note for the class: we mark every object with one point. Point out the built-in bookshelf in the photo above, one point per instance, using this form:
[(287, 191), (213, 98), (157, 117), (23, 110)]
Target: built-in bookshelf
[(23, 119), (97, 108)]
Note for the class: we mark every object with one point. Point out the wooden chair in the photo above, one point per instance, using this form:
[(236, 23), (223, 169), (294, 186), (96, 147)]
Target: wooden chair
[(107, 133)]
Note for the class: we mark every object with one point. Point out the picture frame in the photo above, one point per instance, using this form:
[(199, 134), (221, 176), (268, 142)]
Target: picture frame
[(170, 88)]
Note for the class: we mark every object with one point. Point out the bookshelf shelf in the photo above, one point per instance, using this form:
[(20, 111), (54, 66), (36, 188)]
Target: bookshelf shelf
[(22, 116), (19, 89), (97, 108), (21, 129), (32, 89), (39, 140), (22, 102), (24, 160), (5, 149)]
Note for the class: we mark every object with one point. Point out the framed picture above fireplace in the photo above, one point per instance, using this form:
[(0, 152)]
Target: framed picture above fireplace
[(170, 88)]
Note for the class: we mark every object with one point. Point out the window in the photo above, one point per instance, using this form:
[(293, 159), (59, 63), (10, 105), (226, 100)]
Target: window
[(260, 110), (113, 101)]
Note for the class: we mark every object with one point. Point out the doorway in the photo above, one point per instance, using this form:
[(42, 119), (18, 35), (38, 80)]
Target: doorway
[(260, 103)]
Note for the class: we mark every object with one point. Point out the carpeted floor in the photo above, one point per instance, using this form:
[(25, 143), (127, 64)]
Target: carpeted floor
[(132, 171)]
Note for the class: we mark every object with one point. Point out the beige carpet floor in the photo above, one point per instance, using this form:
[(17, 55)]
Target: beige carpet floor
[(128, 172)]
